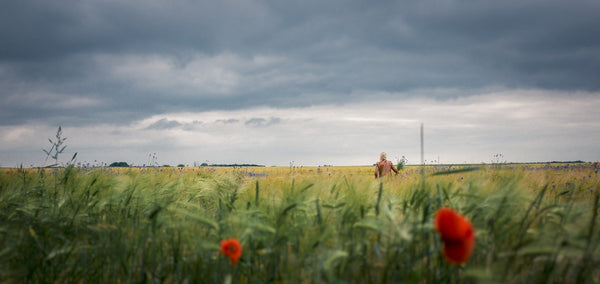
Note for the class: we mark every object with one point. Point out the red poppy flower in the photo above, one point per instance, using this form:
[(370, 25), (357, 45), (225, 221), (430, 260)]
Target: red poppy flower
[(457, 234), (232, 249)]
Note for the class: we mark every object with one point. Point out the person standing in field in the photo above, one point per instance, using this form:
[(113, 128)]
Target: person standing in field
[(384, 167)]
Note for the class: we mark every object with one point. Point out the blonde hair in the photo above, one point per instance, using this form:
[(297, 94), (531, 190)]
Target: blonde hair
[(382, 156)]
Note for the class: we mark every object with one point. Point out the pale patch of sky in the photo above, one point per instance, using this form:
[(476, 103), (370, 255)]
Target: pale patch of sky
[(470, 129)]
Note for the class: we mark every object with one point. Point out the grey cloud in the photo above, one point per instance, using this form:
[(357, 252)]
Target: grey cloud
[(164, 124), (227, 121), (192, 125), (115, 26), (262, 122)]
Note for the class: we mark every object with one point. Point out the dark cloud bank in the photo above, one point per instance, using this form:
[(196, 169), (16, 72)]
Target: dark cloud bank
[(62, 62)]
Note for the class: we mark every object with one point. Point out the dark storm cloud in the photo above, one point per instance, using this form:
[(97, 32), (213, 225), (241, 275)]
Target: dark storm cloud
[(83, 62)]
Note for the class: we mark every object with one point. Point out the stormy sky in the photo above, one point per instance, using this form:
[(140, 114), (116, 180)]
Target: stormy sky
[(308, 82)]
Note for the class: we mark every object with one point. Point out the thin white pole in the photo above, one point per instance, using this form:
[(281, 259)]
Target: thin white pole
[(422, 147)]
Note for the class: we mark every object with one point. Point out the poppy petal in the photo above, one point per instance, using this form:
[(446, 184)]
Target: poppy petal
[(450, 224), (232, 249), (459, 251), (457, 235)]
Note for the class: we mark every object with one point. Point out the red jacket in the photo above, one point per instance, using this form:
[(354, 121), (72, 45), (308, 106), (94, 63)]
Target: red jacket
[(384, 167)]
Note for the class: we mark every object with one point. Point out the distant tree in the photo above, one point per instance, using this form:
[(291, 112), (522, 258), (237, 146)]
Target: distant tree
[(119, 164), (204, 165), (180, 165), (166, 166)]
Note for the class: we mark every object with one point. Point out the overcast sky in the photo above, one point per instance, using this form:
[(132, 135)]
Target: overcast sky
[(313, 82)]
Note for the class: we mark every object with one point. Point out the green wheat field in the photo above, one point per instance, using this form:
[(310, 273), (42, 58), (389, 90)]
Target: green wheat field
[(534, 223)]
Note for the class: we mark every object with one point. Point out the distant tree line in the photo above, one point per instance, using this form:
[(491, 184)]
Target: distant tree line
[(125, 165), (230, 165)]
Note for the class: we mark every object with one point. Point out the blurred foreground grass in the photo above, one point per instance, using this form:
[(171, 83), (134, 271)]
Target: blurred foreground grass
[(534, 223)]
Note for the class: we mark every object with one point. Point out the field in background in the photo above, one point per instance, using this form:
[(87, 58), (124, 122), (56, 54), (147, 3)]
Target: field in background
[(533, 222)]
